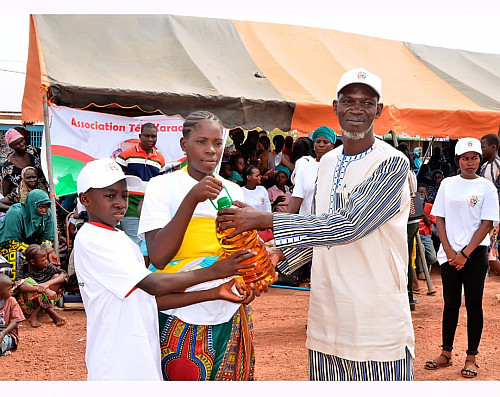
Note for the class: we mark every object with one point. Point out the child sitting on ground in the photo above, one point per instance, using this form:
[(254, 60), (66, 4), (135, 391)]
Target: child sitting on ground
[(10, 315), (38, 286)]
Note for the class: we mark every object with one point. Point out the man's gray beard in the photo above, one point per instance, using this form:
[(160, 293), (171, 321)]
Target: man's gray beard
[(354, 135)]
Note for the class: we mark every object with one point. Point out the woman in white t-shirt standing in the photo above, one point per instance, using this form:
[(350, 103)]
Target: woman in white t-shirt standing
[(255, 194), (465, 208), (305, 176)]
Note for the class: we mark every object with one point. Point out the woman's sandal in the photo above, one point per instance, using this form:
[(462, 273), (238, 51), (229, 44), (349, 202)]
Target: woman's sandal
[(434, 365), (469, 372)]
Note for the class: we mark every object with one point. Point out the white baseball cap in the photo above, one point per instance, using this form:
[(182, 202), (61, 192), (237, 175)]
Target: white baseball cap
[(103, 173), (361, 76), (465, 145)]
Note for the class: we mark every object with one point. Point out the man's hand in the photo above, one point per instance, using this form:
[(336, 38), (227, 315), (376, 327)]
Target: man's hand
[(207, 188), (243, 218), (276, 255)]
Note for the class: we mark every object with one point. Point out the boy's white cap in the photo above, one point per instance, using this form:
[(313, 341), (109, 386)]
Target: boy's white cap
[(361, 76), (465, 145), (103, 173)]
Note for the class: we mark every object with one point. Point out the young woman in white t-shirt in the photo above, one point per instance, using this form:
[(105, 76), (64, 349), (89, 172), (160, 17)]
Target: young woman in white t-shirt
[(465, 207)]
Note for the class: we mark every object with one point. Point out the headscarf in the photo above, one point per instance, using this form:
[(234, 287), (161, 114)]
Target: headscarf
[(23, 222), (325, 131), (235, 177), (12, 135), (284, 169), (23, 188)]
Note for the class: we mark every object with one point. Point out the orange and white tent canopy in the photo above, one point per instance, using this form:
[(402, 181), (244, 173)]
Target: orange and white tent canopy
[(253, 74)]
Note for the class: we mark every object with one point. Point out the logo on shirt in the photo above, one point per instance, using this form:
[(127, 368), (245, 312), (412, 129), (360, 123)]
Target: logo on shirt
[(472, 200), (81, 284)]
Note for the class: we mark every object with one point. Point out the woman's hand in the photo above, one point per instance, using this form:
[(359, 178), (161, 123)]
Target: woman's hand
[(450, 255), (231, 266), (243, 218), (207, 188), (459, 261), (279, 199)]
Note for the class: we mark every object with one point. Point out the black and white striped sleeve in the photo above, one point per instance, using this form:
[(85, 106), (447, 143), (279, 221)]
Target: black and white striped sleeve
[(369, 206)]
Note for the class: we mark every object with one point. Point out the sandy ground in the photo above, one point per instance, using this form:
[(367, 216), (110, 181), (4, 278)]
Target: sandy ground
[(58, 353)]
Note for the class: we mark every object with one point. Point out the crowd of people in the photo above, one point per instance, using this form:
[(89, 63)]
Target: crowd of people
[(159, 294)]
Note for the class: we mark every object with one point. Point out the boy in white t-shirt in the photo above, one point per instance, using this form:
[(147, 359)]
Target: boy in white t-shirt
[(118, 291)]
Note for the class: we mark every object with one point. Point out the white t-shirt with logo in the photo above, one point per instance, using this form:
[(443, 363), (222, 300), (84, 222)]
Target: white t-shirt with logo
[(464, 203), (257, 198), (122, 321)]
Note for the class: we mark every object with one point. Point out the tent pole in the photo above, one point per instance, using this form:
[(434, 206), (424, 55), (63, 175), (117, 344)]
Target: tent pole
[(425, 156), (48, 154)]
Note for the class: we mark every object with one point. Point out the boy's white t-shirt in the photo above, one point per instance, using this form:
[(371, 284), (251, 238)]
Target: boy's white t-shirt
[(164, 195), (257, 198), (464, 203), (305, 185), (122, 321)]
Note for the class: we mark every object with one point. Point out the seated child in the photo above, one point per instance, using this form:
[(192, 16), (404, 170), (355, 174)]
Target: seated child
[(10, 315), (38, 286)]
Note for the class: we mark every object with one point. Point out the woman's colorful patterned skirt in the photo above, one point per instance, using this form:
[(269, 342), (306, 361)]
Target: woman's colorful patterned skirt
[(208, 352)]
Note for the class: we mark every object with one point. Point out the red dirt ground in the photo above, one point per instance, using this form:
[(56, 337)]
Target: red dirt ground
[(279, 320)]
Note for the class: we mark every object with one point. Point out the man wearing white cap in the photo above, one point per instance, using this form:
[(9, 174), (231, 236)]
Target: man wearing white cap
[(359, 325)]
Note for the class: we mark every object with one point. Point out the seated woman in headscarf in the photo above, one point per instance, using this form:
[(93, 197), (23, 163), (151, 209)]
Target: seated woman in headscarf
[(20, 158), (29, 181), (24, 224)]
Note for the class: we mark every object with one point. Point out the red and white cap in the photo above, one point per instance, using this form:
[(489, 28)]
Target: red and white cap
[(102, 173), (361, 76)]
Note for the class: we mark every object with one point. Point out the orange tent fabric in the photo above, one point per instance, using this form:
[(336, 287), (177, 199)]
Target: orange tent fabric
[(253, 74), (305, 64)]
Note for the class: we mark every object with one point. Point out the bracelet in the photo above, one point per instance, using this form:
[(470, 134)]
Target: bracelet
[(463, 253)]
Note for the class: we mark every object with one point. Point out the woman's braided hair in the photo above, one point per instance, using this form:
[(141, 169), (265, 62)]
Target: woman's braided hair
[(194, 118)]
